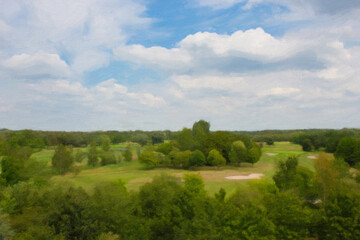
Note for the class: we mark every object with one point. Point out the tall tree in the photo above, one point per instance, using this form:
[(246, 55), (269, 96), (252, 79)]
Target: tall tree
[(326, 176), (93, 157), (63, 159), (127, 153), (238, 152)]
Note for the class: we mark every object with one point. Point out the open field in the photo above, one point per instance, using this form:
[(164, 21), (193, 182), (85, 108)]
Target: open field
[(134, 174)]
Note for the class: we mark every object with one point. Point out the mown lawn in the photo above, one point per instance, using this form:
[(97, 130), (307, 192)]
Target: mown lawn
[(133, 174)]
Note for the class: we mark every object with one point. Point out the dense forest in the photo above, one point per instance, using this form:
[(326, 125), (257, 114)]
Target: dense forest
[(295, 203)]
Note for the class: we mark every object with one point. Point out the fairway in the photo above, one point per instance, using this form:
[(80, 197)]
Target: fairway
[(134, 175)]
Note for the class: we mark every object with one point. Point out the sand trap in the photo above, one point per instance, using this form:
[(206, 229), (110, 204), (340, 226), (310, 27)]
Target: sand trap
[(271, 154), (312, 157), (243, 177)]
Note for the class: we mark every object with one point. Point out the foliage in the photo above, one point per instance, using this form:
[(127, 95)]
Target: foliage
[(326, 176), (215, 158), (238, 152), (269, 141), (197, 158), (141, 138), (63, 159), (149, 158), (306, 145), (165, 148), (107, 158), (185, 140), (105, 143), (181, 159), (92, 155), (127, 153), (349, 150), (19, 165)]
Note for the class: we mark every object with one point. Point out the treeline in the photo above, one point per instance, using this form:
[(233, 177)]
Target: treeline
[(298, 204), (41, 139), (199, 147), (320, 138)]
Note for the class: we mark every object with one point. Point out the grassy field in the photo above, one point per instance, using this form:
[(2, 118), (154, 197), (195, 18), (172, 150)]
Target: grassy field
[(133, 174)]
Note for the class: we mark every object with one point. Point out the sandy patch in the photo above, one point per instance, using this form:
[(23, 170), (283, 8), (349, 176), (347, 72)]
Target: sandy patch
[(312, 157), (271, 154), (141, 180), (243, 177)]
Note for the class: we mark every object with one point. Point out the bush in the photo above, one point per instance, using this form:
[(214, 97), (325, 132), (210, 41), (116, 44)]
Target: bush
[(215, 158), (149, 158), (127, 154), (306, 145), (197, 158), (107, 158), (269, 141)]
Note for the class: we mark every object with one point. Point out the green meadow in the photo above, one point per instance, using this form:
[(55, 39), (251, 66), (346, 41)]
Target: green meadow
[(134, 174)]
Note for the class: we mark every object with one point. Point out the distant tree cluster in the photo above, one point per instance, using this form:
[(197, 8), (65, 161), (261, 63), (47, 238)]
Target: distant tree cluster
[(328, 140), (199, 147)]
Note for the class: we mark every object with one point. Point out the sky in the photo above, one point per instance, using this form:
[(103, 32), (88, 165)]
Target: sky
[(89, 65)]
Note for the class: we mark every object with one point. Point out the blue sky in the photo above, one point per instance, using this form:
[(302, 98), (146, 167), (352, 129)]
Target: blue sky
[(142, 64)]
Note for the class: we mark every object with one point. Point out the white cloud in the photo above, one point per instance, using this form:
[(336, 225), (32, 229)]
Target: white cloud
[(107, 93), (85, 30), (154, 56), (39, 65), (228, 83), (280, 91), (252, 44)]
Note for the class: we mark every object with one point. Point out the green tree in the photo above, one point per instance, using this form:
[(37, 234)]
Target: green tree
[(221, 141), (307, 145), (186, 140), (349, 150), (326, 176), (19, 166), (93, 157), (201, 127), (141, 138), (200, 132), (164, 148), (197, 158), (105, 143), (107, 158), (181, 159), (215, 158), (127, 153), (149, 158), (238, 152), (254, 153), (285, 175), (63, 159), (269, 141)]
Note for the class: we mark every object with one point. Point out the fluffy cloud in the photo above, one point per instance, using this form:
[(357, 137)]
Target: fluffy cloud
[(240, 52), (104, 93), (84, 31), (227, 83), (39, 65)]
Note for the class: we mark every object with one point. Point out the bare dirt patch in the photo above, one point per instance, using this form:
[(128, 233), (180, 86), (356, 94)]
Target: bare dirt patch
[(271, 154), (312, 157), (246, 177)]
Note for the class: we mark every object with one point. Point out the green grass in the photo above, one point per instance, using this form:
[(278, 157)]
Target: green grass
[(135, 175)]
